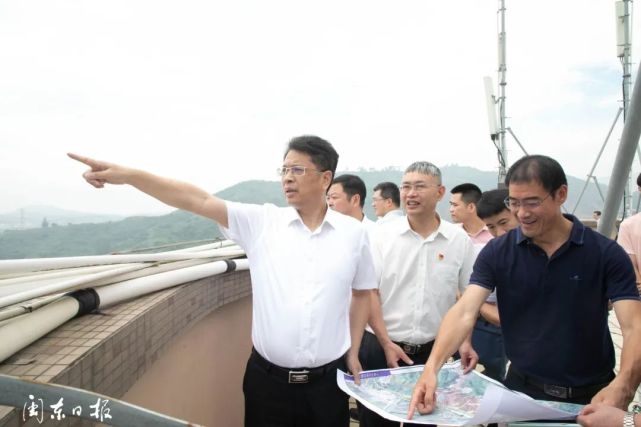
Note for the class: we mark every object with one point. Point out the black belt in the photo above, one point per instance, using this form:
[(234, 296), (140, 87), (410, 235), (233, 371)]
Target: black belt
[(561, 392), (295, 375), (415, 348)]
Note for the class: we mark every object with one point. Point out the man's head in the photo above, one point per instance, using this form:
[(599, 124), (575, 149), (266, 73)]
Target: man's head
[(347, 195), (309, 165), (596, 214), (386, 198), (421, 189), (537, 189), (493, 212), (463, 202)]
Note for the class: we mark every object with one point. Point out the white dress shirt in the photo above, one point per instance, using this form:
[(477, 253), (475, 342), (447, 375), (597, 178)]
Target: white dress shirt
[(301, 281), (419, 277), (370, 226), (390, 216)]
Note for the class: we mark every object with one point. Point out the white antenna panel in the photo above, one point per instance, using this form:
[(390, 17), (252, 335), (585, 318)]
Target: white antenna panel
[(491, 107), (619, 9)]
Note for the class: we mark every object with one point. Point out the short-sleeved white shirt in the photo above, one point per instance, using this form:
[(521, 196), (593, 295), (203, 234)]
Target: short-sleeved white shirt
[(370, 227), (390, 216), (301, 280), (419, 277)]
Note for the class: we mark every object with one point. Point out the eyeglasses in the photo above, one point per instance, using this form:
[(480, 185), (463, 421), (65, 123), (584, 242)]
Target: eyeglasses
[(529, 203), (295, 170), (378, 199), (419, 187)]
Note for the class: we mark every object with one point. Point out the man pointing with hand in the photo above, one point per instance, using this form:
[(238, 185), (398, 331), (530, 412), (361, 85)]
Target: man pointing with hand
[(305, 262)]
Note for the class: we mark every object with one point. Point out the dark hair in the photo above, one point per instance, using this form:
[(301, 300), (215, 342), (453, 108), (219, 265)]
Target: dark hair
[(469, 192), (352, 185), (537, 168), (491, 203), (321, 152), (389, 190), (639, 180), (597, 212)]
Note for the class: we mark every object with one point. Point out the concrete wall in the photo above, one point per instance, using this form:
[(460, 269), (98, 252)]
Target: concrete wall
[(180, 351), (199, 378)]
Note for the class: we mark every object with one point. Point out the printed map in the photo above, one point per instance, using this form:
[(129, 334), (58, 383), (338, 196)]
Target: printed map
[(461, 399)]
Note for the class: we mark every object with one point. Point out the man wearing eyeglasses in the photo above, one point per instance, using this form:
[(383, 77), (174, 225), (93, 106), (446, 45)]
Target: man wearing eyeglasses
[(305, 261), (386, 202), (553, 278), (423, 262)]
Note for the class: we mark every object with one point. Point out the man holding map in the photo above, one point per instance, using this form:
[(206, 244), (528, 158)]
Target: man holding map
[(553, 278)]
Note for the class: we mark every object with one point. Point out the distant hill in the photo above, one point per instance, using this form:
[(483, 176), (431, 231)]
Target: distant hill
[(143, 232), (95, 239), (33, 217)]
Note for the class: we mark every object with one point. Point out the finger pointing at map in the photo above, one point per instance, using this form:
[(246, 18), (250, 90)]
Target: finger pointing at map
[(424, 395)]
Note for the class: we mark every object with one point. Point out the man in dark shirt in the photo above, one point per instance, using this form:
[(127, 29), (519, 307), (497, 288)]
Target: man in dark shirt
[(553, 278)]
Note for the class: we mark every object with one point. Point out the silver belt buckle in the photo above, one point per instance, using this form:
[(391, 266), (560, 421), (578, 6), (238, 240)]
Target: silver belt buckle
[(299, 377), (556, 391)]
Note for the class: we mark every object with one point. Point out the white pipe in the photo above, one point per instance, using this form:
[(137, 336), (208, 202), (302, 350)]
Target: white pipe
[(17, 316), (24, 330), (151, 269), (28, 275), (40, 264), (56, 274), (145, 270), (113, 294), (23, 286), (27, 306), (215, 245), (10, 296), (13, 311)]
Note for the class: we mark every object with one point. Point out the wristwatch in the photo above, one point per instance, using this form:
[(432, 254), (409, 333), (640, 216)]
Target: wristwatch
[(628, 419)]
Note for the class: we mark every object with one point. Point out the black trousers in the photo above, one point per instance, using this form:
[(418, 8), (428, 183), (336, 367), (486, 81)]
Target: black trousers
[(372, 356), (271, 401), (516, 381)]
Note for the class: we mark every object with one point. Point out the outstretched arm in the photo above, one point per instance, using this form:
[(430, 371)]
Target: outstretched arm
[(174, 193), (456, 326)]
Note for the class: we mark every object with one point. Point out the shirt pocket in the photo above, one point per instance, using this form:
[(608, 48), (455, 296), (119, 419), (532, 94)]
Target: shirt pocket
[(443, 284)]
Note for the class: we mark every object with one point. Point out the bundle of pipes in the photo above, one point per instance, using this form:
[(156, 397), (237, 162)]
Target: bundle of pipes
[(69, 287)]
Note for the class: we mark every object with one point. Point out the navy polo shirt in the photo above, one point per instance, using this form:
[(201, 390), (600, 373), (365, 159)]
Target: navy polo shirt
[(554, 311)]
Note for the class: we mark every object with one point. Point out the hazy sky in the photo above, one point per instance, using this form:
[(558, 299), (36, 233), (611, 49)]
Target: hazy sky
[(211, 91)]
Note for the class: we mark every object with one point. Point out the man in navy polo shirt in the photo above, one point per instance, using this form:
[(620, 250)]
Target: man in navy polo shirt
[(553, 278)]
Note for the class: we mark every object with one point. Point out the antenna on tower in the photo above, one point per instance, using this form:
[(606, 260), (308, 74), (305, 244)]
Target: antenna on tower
[(498, 126), (490, 102), (502, 150)]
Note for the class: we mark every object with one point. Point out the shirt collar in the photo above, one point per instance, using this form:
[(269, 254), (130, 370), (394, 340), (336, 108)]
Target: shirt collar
[(576, 234), (395, 212), (443, 228), (478, 233), (292, 216)]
